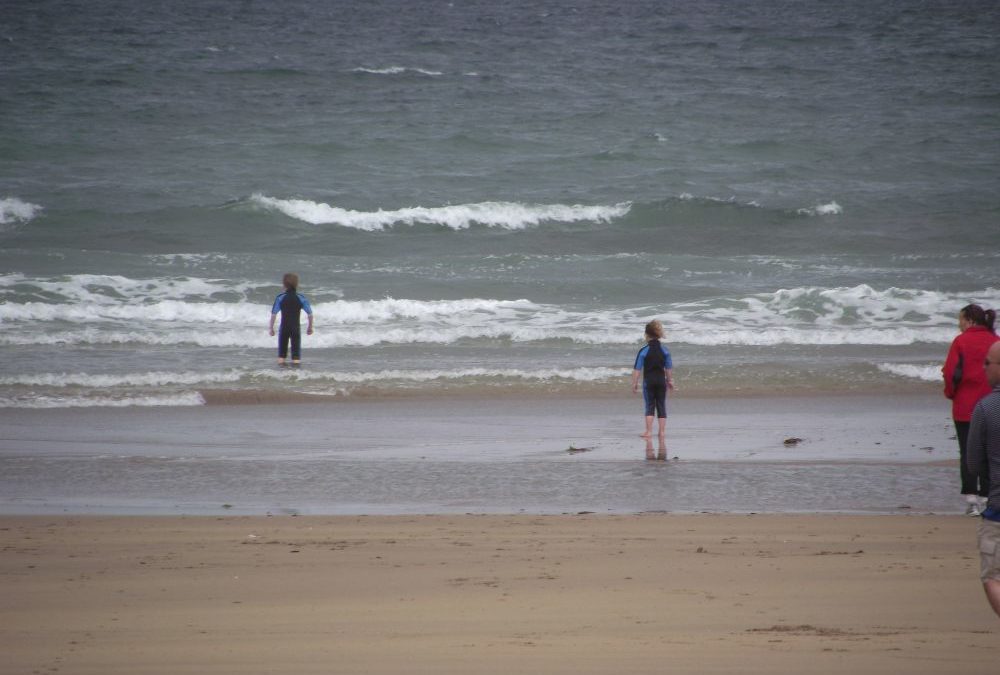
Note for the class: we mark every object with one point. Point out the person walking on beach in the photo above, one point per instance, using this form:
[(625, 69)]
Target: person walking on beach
[(984, 459), (290, 303), (965, 383), (654, 365)]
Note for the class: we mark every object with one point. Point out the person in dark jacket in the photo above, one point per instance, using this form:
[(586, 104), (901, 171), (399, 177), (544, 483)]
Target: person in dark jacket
[(965, 383), (984, 457)]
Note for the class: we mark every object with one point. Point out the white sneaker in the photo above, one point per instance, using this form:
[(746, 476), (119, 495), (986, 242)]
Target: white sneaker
[(973, 510)]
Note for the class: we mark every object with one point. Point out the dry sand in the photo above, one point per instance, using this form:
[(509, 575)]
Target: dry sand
[(494, 594)]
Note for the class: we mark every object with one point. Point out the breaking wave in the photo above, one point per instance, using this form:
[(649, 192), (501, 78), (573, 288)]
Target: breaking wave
[(505, 215), (13, 211), (109, 310)]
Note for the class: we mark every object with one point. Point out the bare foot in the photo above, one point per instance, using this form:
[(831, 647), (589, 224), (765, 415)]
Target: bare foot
[(648, 434)]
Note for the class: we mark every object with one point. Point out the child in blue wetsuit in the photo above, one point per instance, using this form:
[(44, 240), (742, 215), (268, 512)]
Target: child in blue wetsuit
[(290, 304), (654, 366)]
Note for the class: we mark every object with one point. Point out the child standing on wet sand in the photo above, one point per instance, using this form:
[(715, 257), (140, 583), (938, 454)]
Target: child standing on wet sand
[(290, 303), (654, 366)]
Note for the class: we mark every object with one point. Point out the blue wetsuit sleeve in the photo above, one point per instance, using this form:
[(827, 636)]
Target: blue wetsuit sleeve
[(640, 358), (667, 361), (306, 307), (276, 307)]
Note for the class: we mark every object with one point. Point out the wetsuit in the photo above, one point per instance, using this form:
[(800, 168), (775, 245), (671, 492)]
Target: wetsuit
[(290, 304), (652, 360)]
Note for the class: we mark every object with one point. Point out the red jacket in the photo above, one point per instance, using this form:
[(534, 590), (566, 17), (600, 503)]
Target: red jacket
[(964, 374)]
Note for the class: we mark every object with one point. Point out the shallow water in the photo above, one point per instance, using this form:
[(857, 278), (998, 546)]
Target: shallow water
[(483, 197), (857, 454)]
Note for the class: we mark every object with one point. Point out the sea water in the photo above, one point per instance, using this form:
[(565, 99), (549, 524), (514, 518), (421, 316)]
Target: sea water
[(491, 199), (487, 196)]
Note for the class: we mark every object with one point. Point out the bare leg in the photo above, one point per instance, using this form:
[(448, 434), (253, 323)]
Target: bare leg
[(992, 588), (663, 426), (649, 427)]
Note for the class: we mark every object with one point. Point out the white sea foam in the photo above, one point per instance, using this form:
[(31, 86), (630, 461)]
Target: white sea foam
[(505, 215), (102, 401), (592, 374), (854, 306), (113, 289), (88, 308), (107, 381), (108, 310), (397, 70), (703, 334), (222, 377), (830, 209), (13, 211), (773, 337), (926, 373)]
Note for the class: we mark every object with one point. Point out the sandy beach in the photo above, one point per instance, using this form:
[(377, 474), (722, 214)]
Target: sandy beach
[(494, 594), (464, 538)]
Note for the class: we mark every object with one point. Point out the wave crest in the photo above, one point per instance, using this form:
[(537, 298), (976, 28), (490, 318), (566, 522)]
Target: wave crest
[(830, 209), (396, 70), (926, 373), (14, 211), (505, 215)]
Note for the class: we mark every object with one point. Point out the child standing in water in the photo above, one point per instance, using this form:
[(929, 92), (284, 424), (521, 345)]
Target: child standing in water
[(654, 366), (290, 303)]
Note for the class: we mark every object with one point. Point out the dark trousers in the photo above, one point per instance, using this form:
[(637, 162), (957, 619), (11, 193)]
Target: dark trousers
[(293, 335), (971, 483)]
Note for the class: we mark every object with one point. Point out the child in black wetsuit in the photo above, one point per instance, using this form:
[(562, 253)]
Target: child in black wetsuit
[(290, 304), (654, 366)]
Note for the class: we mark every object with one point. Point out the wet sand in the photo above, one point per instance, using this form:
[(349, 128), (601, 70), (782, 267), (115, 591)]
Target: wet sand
[(494, 594), (858, 454)]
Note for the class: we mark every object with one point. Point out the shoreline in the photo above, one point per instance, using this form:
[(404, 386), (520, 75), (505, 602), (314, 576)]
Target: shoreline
[(778, 594), (262, 396), (868, 454)]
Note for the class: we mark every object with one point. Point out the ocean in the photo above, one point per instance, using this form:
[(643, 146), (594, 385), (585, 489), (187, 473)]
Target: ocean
[(491, 197)]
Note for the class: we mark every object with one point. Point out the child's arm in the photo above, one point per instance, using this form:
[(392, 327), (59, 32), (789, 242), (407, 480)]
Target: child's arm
[(669, 372), (270, 326), (307, 308), (636, 376)]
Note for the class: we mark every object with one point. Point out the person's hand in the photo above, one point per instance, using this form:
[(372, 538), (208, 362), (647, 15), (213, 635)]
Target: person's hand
[(309, 331), (271, 331), (670, 385)]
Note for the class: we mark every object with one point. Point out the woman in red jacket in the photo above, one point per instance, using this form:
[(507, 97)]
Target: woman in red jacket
[(965, 383)]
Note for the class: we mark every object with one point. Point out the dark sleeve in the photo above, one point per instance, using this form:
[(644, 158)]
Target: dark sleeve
[(975, 451)]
